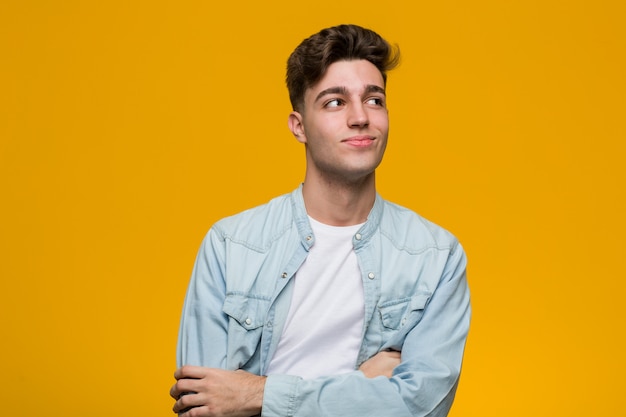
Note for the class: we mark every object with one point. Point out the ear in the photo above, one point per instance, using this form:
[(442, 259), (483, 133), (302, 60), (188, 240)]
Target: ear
[(296, 126)]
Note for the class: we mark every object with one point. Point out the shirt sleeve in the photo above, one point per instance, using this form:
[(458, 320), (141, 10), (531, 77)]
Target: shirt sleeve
[(424, 384), (202, 337)]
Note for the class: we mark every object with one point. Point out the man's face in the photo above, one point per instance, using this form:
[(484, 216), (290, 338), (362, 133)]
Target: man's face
[(344, 123)]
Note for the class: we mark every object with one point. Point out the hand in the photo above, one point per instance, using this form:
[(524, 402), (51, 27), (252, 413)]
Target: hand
[(381, 364), (210, 392)]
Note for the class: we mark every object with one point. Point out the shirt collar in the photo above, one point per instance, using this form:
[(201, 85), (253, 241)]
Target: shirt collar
[(306, 232)]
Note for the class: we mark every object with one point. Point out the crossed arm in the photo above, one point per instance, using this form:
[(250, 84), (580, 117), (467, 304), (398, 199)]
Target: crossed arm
[(423, 383), (211, 392)]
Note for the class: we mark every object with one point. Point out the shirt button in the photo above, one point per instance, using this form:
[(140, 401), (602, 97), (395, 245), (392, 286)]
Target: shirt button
[(284, 275), (248, 322), (358, 236), (371, 275), (308, 238)]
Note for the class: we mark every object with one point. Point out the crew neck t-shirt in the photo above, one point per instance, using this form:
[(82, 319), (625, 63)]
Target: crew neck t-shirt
[(323, 332)]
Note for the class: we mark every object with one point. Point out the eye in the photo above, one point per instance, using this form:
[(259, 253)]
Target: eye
[(333, 103), (376, 101)]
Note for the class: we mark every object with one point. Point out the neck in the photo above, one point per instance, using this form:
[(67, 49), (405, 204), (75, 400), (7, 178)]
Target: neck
[(338, 203)]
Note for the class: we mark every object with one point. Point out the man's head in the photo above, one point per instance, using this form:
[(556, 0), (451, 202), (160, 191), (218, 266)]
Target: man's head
[(310, 60)]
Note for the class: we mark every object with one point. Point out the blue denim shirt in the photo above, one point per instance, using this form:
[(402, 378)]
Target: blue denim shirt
[(416, 302)]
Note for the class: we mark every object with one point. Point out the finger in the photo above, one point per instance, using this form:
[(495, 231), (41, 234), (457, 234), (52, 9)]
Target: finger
[(389, 354), (184, 386), (187, 401), (394, 354), (189, 371), (176, 391), (194, 411)]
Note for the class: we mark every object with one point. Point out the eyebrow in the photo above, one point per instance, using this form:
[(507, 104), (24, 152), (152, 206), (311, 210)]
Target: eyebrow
[(370, 88)]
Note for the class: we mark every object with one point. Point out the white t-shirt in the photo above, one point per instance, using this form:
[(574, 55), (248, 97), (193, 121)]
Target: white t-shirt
[(323, 331)]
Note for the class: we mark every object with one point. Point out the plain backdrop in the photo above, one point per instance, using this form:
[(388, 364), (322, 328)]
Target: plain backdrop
[(128, 127)]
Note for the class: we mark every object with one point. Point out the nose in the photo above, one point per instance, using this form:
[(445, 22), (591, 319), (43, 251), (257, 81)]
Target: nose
[(358, 116)]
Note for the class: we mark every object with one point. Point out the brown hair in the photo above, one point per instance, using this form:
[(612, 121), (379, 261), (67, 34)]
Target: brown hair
[(308, 63)]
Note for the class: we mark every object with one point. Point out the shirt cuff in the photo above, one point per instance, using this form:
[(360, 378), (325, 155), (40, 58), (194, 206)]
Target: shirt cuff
[(279, 396)]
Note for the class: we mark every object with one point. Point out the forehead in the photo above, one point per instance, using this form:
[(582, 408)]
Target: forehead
[(355, 76)]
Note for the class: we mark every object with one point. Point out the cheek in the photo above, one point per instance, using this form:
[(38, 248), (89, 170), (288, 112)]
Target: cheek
[(321, 129), (383, 130), (380, 120)]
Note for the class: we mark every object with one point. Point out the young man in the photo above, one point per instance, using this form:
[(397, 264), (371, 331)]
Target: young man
[(328, 301)]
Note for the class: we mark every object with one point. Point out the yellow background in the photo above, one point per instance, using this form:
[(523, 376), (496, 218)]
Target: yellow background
[(128, 127)]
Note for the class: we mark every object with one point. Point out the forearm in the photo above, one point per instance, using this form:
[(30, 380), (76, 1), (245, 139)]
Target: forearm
[(217, 393), (355, 395), (252, 390), (423, 384)]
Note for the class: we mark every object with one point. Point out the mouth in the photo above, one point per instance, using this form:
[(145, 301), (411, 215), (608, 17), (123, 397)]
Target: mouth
[(359, 141)]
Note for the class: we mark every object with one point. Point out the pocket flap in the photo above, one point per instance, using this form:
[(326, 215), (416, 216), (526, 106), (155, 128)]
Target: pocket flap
[(248, 311), (419, 301), (394, 313)]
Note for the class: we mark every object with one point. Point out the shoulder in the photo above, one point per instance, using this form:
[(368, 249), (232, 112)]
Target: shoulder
[(257, 226), (409, 230)]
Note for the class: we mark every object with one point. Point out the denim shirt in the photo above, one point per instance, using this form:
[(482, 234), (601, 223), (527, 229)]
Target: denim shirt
[(416, 302)]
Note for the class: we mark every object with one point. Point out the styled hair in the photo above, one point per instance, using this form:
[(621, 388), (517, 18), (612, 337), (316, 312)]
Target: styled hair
[(309, 62)]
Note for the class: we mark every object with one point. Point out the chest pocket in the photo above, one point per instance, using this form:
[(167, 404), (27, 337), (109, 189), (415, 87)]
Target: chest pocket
[(247, 315), (399, 316)]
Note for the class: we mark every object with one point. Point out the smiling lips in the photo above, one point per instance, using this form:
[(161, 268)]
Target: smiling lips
[(359, 141)]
